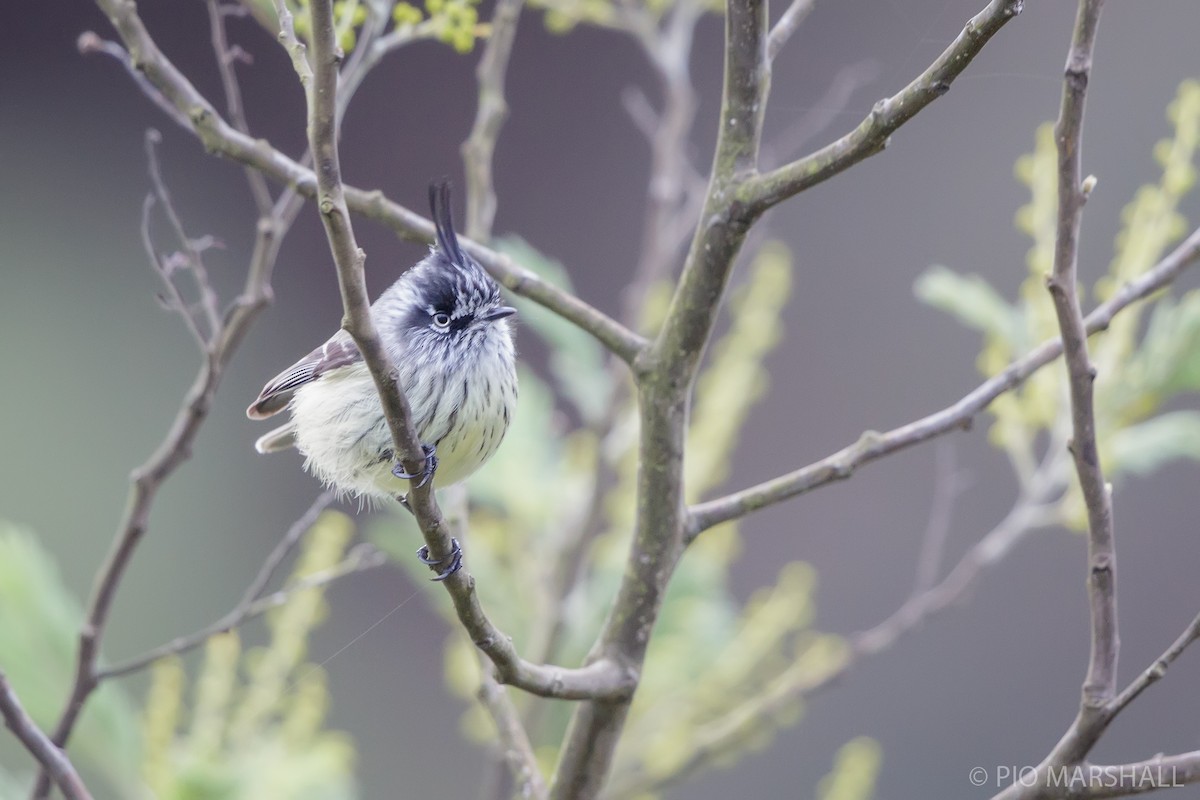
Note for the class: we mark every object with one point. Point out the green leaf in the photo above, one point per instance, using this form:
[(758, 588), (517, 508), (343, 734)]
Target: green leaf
[(1143, 448), (1169, 358), (39, 629), (972, 300), (854, 772)]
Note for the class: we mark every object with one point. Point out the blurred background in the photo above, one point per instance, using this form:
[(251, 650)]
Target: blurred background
[(94, 368)]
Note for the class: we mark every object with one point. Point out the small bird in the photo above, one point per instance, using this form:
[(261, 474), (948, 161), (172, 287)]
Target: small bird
[(446, 330)]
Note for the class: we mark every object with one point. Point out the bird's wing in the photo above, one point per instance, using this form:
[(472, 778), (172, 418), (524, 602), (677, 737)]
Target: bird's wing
[(339, 351)]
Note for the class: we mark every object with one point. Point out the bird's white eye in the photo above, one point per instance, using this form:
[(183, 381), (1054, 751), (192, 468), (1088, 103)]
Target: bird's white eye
[(441, 320)]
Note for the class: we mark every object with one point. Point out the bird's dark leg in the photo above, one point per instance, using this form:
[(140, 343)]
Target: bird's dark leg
[(426, 474), (454, 559), (449, 565)]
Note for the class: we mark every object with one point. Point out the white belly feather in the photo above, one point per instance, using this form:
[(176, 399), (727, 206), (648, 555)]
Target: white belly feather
[(341, 431)]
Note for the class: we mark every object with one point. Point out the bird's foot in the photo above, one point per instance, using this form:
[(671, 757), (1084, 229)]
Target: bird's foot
[(454, 559), (426, 474)]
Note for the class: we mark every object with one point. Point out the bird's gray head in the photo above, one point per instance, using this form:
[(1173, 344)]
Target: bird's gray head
[(448, 300)]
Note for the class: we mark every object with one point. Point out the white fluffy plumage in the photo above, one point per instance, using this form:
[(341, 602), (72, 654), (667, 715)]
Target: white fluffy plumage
[(448, 336)]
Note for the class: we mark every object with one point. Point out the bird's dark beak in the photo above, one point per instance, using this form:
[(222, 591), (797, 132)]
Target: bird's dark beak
[(499, 312)]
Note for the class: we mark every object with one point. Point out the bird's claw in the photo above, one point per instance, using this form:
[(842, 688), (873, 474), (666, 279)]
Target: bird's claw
[(455, 559), (426, 474)]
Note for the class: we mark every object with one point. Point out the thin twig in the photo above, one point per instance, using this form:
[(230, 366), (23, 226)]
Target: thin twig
[(947, 486), (172, 300), (53, 760), (516, 750), (372, 46), (246, 609), (872, 446), (1100, 685), (285, 545), (669, 219), (828, 107), (477, 152), (361, 558), (226, 57), (89, 43), (192, 257), (787, 25), (871, 136), (1157, 670), (490, 114)]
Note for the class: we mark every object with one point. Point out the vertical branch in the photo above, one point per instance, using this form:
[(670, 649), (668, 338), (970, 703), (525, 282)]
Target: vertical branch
[(665, 376), (226, 57), (1100, 684), (670, 53), (480, 145), (1097, 701), (54, 762), (725, 220), (515, 748)]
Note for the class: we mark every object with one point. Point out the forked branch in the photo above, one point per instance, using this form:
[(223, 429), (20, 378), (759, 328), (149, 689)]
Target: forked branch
[(53, 760), (872, 446), (871, 136)]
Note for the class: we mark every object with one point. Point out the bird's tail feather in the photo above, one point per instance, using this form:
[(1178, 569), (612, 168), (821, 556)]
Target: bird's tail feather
[(281, 438)]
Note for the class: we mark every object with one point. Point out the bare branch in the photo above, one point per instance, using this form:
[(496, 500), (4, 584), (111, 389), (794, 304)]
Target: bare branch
[(289, 541), (362, 558), (516, 750), (787, 25), (872, 446), (947, 486), (222, 139), (1157, 670), (666, 374), (372, 46), (668, 220), (246, 608), (871, 136), (53, 761), (846, 81), (492, 110), (173, 300), (226, 58), (89, 43), (192, 257), (1100, 685)]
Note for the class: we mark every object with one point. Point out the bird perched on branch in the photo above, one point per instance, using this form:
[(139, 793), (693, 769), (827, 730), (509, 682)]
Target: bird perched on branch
[(445, 327)]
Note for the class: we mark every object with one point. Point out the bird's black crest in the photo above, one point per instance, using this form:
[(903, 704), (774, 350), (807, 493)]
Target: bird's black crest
[(443, 221)]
